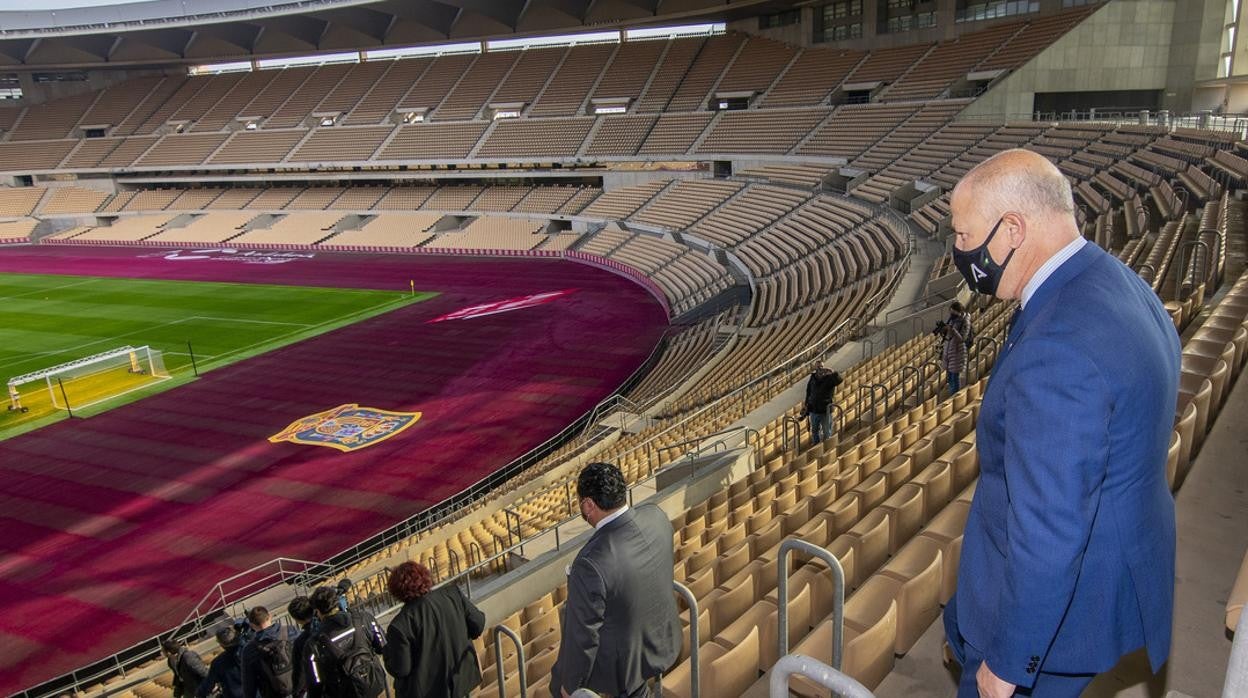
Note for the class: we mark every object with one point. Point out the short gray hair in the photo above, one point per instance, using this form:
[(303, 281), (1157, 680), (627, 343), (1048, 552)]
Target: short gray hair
[(1020, 180)]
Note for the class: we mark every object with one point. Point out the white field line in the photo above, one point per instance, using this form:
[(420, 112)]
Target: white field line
[(45, 290)]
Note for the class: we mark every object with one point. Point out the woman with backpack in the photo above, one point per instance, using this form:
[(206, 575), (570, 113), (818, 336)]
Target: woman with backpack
[(429, 648)]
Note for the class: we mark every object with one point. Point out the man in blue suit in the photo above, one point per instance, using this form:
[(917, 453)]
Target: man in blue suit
[(1068, 556)]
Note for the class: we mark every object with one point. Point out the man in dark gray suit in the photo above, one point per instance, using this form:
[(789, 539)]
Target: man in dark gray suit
[(620, 626)]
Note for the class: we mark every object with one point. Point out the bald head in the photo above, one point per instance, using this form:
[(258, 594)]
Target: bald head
[(1028, 201), (1017, 180)]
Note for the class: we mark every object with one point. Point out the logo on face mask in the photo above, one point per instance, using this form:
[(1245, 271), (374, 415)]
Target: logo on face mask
[(982, 273)]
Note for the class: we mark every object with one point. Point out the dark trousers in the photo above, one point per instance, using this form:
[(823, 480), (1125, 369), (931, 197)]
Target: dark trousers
[(955, 382)]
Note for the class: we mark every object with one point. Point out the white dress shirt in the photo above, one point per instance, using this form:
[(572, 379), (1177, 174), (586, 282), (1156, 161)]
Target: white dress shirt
[(611, 517), (1046, 270)]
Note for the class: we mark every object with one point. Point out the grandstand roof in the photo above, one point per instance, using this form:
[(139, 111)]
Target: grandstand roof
[(172, 31)]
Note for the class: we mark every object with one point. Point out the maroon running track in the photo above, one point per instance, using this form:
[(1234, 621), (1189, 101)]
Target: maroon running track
[(115, 526)]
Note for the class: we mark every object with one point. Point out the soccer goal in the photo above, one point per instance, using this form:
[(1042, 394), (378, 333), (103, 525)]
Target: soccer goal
[(87, 381)]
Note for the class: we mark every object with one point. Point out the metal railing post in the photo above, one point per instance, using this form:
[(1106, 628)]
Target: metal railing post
[(838, 594), (499, 671), (1186, 259), (695, 660), (841, 684), (796, 441)]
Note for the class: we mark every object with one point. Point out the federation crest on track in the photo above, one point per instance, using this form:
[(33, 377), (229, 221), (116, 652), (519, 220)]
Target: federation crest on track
[(347, 427)]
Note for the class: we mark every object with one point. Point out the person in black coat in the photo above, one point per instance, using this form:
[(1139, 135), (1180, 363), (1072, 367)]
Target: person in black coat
[(187, 666), (226, 669), (429, 648), (820, 390)]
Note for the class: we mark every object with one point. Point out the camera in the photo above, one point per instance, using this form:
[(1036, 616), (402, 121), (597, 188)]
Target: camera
[(940, 328)]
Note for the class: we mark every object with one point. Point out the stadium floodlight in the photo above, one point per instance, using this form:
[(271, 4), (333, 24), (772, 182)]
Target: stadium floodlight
[(90, 380)]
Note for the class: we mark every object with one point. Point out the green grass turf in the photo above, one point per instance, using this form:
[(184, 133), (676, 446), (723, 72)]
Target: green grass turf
[(47, 320)]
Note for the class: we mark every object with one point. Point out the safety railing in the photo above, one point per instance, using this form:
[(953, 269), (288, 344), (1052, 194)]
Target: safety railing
[(695, 640), (500, 670), (799, 665), (782, 590)]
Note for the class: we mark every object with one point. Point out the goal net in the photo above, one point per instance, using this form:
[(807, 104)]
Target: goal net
[(87, 381)]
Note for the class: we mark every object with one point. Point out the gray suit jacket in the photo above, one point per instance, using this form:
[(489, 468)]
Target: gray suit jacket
[(620, 625)]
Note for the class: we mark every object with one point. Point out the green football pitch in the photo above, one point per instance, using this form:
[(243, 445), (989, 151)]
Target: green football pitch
[(47, 320)]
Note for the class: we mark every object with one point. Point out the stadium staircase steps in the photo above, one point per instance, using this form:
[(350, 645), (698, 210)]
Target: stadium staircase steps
[(485, 136), (706, 132), (883, 94), (497, 86), (583, 108), (647, 202), (77, 146), (385, 142), (295, 91), (346, 116), (706, 98), (432, 113), (260, 222), (1001, 47), (294, 149), (762, 96), (801, 143), (589, 137), (663, 110), (654, 72), (545, 86)]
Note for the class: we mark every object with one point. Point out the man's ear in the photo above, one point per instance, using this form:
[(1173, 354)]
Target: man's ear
[(1015, 228)]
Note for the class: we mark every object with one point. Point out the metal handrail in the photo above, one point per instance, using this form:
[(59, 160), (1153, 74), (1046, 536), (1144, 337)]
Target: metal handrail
[(797, 433), (695, 660), (1185, 260), (918, 384), (499, 670), (838, 595), (841, 684)]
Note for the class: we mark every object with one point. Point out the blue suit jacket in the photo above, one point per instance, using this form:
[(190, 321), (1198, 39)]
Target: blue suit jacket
[(1068, 557)]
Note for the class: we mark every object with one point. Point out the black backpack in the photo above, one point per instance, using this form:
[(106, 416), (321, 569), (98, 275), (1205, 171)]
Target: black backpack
[(356, 672), (275, 664)]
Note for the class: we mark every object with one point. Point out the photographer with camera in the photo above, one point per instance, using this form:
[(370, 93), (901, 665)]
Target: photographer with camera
[(956, 335)]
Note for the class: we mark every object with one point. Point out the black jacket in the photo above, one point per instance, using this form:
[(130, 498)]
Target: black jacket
[(820, 389), (300, 655), (188, 671), (429, 648), (225, 671)]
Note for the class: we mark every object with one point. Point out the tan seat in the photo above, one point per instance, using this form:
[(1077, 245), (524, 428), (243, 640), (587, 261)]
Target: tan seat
[(1196, 390), (763, 616), (870, 538), (870, 639), (701, 582), (922, 454), (904, 509), (540, 625), (540, 665), (725, 672), (1172, 461), (843, 514), (897, 470), (1216, 370), (1185, 428), (915, 573), (937, 483), (730, 537), (946, 530), (725, 604), (872, 490), (964, 458), (963, 423), (538, 607), (818, 577), (942, 439)]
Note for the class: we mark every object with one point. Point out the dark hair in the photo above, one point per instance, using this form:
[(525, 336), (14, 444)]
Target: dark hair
[(258, 615), (604, 484), (324, 599), (171, 646), (344, 585), (410, 581), (227, 636), (957, 307), (300, 609)]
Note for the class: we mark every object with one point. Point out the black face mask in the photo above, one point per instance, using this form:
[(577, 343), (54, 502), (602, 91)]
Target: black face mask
[(981, 272)]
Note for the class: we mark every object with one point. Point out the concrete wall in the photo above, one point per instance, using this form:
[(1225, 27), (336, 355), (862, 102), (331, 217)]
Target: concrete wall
[(1125, 45), (1196, 44)]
